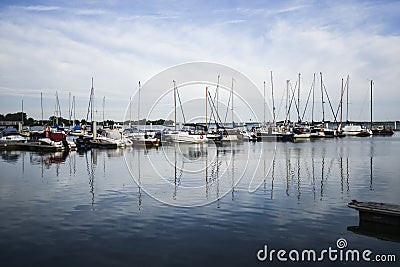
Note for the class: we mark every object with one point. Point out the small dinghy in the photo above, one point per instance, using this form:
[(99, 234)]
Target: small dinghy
[(377, 212)]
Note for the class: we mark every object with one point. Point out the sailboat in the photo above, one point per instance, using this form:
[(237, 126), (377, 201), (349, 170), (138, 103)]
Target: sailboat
[(381, 129), (324, 130), (300, 130), (275, 133), (138, 137), (222, 133), (354, 130), (192, 133)]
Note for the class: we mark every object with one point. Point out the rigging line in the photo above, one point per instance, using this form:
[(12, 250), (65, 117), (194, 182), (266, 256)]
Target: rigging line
[(58, 106), (295, 102), (213, 107), (341, 97), (180, 104), (72, 104), (308, 98), (363, 104), (227, 108), (281, 103), (88, 111), (291, 100), (212, 110), (330, 104), (216, 93)]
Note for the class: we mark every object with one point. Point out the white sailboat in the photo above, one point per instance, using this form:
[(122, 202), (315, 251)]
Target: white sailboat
[(192, 133), (351, 129)]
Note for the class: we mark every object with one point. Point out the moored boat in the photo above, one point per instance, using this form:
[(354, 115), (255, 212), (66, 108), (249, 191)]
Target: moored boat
[(141, 138), (382, 130), (356, 130), (193, 133), (377, 212), (301, 132)]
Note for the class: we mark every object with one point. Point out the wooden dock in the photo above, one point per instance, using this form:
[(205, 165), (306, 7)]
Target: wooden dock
[(382, 213)]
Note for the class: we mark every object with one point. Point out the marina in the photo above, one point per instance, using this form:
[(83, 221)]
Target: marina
[(199, 133), (76, 205), (209, 182)]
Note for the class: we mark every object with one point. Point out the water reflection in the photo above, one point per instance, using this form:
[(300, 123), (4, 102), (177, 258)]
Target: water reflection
[(300, 169), (10, 156), (304, 189), (377, 230), (91, 168), (185, 173), (211, 172), (297, 169)]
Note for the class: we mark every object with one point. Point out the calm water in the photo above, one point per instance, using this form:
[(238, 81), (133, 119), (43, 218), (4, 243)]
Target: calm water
[(88, 210)]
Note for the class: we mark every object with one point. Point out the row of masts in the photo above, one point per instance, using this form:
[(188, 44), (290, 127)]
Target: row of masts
[(71, 108), (290, 95)]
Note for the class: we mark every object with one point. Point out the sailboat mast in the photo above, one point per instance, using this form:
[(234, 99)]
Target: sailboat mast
[(322, 96), (104, 104), (138, 111), (287, 102), (313, 97), (56, 111), (22, 113), (130, 113), (347, 99), (69, 107), (371, 103), (174, 104), (264, 102), (92, 101), (341, 106), (273, 103), (41, 104), (298, 101), (217, 92), (232, 103), (207, 107), (73, 101)]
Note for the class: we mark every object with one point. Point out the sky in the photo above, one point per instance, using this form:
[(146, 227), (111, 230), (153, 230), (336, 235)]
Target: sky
[(58, 46)]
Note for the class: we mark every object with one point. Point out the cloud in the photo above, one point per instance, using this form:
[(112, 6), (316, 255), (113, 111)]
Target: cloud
[(38, 8), (119, 47)]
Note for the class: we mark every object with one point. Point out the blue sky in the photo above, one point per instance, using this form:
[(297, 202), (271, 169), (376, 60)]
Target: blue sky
[(49, 46)]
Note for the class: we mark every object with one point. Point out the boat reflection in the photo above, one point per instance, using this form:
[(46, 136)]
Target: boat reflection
[(204, 172), (10, 156), (296, 170), (377, 230)]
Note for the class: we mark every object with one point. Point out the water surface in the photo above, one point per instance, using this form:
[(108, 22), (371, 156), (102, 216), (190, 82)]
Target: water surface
[(87, 209)]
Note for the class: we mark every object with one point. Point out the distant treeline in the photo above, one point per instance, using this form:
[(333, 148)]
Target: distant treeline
[(19, 116)]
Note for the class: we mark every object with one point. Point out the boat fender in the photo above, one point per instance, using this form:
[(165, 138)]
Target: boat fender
[(47, 131), (201, 136)]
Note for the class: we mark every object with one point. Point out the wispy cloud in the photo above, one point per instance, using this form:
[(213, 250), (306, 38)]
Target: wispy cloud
[(63, 47), (38, 8)]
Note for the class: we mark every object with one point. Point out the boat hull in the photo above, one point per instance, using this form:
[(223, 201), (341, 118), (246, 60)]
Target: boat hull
[(377, 212)]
